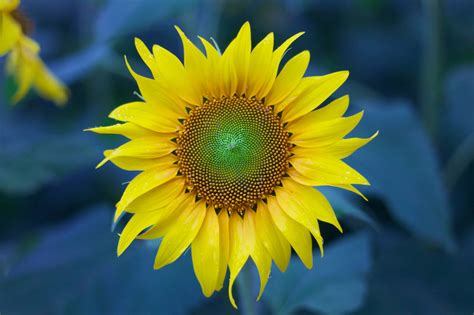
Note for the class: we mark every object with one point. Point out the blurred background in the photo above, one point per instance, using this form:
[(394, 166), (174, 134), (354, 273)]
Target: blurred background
[(409, 250)]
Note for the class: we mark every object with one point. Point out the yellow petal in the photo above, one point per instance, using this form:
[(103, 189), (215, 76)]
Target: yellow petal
[(309, 200), (10, 32), (138, 164), (276, 59), (298, 211), (158, 197), (259, 254), (205, 253), (295, 233), (146, 56), (303, 180), (333, 110), (129, 130), (223, 248), (180, 235), (158, 98), (145, 148), (314, 95), (144, 182), (227, 74), (135, 225), (194, 63), (49, 86), (309, 134), (327, 170), (289, 77), (276, 245), (172, 74), (146, 115), (211, 76), (241, 57), (24, 71), (260, 66), (303, 86), (168, 216), (9, 5), (239, 251), (346, 147)]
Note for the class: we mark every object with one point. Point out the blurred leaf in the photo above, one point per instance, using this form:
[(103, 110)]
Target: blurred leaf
[(410, 278), (31, 156), (72, 68), (74, 270), (401, 166), (459, 95), (120, 18), (345, 205), (336, 285)]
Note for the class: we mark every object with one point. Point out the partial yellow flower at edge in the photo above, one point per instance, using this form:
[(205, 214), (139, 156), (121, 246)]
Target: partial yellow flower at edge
[(28, 70), (23, 61)]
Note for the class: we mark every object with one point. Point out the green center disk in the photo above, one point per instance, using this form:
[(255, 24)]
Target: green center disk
[(233, 151)]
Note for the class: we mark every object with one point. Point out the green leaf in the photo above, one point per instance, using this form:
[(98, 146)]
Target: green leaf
[(410, 278), (401, 166), (336, 285), (75, 270), (32, 154)]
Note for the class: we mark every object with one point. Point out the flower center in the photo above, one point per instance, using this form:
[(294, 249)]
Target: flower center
[(233, 151)]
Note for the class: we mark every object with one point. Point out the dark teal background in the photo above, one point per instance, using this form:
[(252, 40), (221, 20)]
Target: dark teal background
[(409, 250)]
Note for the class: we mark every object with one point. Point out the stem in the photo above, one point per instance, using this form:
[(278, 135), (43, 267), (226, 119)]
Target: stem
[(430, 66), (246, 291)]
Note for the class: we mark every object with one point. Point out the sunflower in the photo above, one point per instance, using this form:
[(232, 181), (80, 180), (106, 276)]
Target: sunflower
[(23, 61), (229, 149)]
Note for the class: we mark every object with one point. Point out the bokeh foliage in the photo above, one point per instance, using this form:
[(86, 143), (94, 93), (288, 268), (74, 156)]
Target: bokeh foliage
[(409, 250)]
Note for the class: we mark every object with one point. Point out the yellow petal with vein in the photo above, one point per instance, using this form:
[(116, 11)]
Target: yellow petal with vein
[(327, 170), (145, 148), (158, 197), (129, 130), (241, 57), (260, 65), (205, 253), (289, 77), (298, 211), (168, 215), (138, 164), (134, 226), (295, 233), (276, 59), (146, 115), (223, 248), (180, 235), (312, 201), (239, 251), (309, 134), (259, 254), (172, 75), (194, 63), (144, 182), (276, 245), (314, 95)]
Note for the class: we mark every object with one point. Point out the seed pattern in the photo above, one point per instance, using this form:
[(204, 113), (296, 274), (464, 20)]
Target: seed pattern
[(232, 152)]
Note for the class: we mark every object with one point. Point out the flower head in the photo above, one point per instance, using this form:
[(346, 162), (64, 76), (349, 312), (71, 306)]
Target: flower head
[(23, 61), (229, 149)]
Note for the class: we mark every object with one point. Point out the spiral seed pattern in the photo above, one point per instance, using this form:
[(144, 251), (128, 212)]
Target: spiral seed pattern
[(232, 152)]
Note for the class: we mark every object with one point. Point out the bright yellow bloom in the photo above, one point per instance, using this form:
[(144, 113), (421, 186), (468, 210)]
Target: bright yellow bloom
[(230, 149), (23, 61)]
